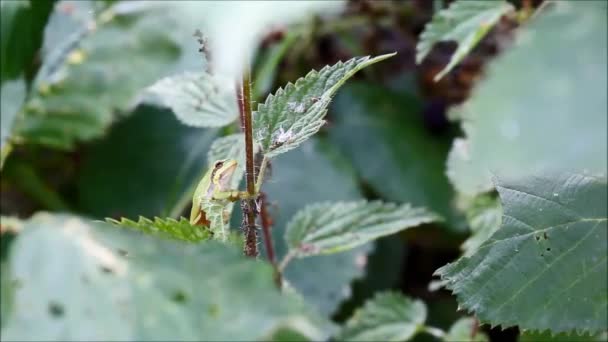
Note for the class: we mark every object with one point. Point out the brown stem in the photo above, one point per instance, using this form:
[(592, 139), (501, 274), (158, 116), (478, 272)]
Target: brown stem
[(266, 225), (251, 243)]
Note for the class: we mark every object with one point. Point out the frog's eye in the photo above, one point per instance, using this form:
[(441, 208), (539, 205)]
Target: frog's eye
[(219, 164)]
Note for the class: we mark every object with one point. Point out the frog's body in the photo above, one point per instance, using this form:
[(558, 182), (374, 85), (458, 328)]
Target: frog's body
[(213, 186)]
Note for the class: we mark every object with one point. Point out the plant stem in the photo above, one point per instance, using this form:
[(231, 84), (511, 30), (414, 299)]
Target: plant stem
[(261, 172), (251, 243), (266, 226), (438, 333), (286, 259)]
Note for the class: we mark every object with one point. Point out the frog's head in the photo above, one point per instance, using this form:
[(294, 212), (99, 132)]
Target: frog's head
[(222, 172)]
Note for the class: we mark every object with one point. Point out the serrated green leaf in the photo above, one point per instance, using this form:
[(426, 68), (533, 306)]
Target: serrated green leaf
[(13, 94), (387, 317), (545, 268), (294, 113), (528, 336), (96, 276), (462, 331), (484, 217), (466, 22), (326, 228), (198, 99), (99, 75), (166, 228), (515, 127)]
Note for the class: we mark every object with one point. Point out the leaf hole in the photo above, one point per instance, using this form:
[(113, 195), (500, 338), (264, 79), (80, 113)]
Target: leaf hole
[(179, 296), (56, 310), (548, 249)]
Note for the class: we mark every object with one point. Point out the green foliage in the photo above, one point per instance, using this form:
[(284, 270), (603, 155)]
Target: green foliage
[(332, 227), (148, 165), (166, 228), (515, 127), (381, 133), (13, 94), (387, 317), (464, 330), (466, 22), (467, 175), (22, 26), (294, 113), (545, 268), (324, 281), (528, 336), (99, 75), (198, 99), (97, 277), (484, 216)]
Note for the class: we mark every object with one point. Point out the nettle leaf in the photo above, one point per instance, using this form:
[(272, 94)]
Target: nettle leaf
[(545, 268), (464, 330), (294, 113), (465, 22), (167, 228), (198, 99), (144, 288), (99, 74), (484, 217), (387, 317), (330, 227)]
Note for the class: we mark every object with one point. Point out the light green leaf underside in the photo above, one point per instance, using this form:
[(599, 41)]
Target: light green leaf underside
[(466, 174), (13, 94), (466, 22), (462, 331), (143, 288), (326, 228), (294, 113), (484, 217), (387, 317), (198, 99), (99, 75), (515, 127), (166, 228), (545, 268)]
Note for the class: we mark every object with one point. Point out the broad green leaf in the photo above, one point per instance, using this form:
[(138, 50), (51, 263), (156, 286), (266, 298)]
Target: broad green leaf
[(516, 127), (332, 227), (381, 132), (198, 99), (13, 94), (387, 317), (528, 336), (545, 268), (467, 175), (147, 165), (77, 278), (464, 330), (484, 217), (294, 113), (99, 74), (166, 228), (21, 32), (323, 281), (466, 22)]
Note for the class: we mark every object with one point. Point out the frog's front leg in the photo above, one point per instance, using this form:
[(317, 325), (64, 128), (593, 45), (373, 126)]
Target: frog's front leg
[(232, 195)]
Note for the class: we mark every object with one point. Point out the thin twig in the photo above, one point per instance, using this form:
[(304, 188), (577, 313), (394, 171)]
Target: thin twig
[(286, 259), (251, 238), (268, 243)]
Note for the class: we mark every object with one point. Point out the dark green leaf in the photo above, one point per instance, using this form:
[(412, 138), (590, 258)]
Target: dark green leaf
[(166, 228), (545, 268)]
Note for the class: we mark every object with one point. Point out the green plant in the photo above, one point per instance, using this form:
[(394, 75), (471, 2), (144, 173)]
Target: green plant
[(114, 258)]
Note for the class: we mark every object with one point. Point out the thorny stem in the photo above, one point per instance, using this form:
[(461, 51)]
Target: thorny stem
[(249, 228), (266, 225)]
